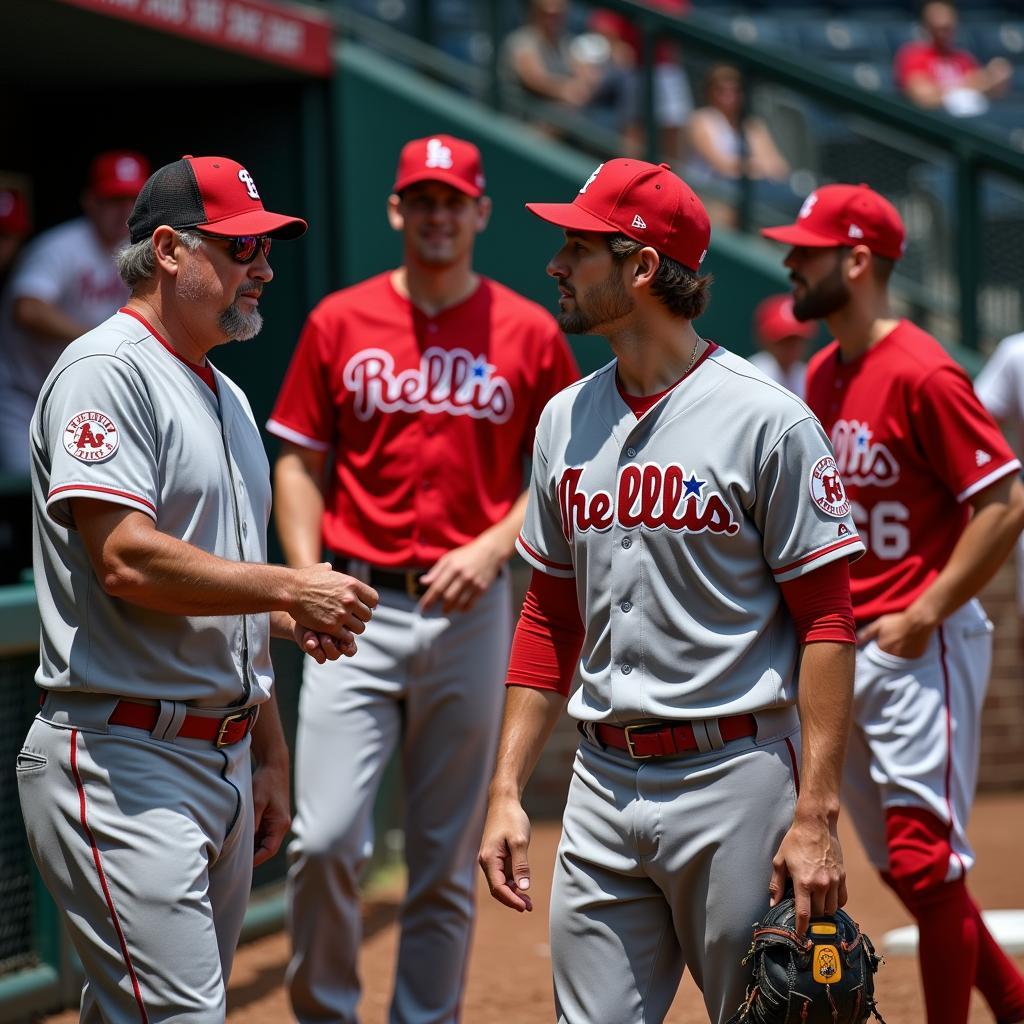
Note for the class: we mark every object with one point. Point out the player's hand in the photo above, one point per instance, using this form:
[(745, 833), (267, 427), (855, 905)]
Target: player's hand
[(272, 810), (811, 857), (322, 647), (460, 576), (898, 634), (503, 854), (331, 602)]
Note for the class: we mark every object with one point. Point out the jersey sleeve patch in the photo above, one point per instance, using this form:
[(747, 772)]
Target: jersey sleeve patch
[(91, 436), (827, 490)]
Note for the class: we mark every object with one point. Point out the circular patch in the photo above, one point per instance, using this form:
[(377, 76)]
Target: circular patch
[(91, 436), (827, 488)]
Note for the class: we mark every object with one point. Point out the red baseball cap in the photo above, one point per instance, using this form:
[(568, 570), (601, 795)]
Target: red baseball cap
[(14, 218), (119, 174), (645, 202), (774, 320), (441, 158), (845, 215), (213, 193)]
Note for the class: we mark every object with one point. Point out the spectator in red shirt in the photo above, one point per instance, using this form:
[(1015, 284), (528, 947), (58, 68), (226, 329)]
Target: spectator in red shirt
[(934, 73)]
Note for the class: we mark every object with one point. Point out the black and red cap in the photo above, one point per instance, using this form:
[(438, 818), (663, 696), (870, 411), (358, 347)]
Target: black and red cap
[(212, 193)]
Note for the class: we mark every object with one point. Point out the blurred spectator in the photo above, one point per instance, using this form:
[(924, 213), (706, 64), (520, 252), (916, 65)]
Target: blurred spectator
[(723, 140), (15, 225), (1000, 386), (64, 285), (934, 73), (544, 61), (782, 340), (673, 100)]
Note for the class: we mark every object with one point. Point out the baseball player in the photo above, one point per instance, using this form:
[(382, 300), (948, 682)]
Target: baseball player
[(782, 343), (933, 492), (689, 535), (151, 499), (426, 384), (1000, 386), (64, 285)]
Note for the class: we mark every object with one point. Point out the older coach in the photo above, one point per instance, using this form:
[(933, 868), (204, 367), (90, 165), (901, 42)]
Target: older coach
[(151, 500)]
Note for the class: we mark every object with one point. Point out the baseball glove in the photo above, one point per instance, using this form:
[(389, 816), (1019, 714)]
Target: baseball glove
[(826, 977)]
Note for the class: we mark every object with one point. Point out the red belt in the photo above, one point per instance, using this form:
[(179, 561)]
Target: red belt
[(221, 732), (663, 739)]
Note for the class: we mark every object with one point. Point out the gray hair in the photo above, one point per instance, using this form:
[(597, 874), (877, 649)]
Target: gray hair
[(136, 262)]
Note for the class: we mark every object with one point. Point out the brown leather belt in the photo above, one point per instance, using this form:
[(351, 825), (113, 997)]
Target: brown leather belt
[(406, 581), (221, 732), (665, 739)]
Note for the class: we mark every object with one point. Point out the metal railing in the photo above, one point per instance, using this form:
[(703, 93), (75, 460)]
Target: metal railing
[(958, 184)]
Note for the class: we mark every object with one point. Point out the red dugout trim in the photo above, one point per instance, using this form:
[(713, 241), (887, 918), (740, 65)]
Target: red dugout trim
[(101, 490), (853, 539), (97, 860)]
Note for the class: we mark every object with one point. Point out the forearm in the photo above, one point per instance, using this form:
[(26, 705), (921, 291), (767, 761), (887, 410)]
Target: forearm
[(168, 575), (826, 696), (530, 715), (502, 535), (44, 320), (268, 743), (987, 540), (298, 510)]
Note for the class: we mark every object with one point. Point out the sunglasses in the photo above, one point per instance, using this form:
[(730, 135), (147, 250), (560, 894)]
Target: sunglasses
[(243, 248)]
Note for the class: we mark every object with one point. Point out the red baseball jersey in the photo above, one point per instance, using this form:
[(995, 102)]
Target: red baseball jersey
[(913, 444), (430, 418), (945, 69)]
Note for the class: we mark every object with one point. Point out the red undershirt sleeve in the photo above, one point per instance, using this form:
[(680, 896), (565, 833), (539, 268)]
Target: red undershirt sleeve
[(819, 602), (549, 636)]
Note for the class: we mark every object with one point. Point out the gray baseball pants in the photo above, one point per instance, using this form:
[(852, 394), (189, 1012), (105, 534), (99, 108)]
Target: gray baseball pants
[(431, 686), (146, 847), (664, 866)]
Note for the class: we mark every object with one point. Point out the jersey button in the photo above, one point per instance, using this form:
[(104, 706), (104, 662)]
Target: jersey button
[(627, 542), (626, 669), (626, 606), (631, 453)]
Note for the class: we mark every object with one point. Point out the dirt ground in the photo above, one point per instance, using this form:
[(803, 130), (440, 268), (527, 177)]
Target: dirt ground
[(509, 978)]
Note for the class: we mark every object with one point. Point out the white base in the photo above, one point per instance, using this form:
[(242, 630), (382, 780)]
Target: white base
[(1007, 926)]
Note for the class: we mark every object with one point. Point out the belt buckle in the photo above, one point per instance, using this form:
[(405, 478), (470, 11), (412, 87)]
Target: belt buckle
[(412, 583), (238, 716), (628, 734)]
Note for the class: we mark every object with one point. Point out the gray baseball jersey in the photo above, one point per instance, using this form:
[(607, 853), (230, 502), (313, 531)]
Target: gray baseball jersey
[(676, 528), (121, 418), (144, 837)]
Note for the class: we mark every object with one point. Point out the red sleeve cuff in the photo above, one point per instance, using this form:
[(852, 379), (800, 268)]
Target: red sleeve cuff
[(549, 636), (820, 605)]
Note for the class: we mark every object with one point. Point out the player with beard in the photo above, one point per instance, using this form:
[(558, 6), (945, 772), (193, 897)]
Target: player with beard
[(689, 538), (151, 497), (406, 416), (935, 497)]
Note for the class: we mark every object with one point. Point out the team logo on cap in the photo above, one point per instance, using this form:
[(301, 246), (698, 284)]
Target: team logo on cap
[(91, 436), (827, 489), (590, 180), (438, 155), (126, 169), (639, 222), (250, 186), (808, 205)]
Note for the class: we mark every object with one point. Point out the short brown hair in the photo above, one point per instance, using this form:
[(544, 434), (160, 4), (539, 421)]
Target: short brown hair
[(685, 292)]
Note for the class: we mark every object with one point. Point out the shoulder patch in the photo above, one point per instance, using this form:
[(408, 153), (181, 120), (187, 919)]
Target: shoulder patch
[(91, 436), (827, 491)]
